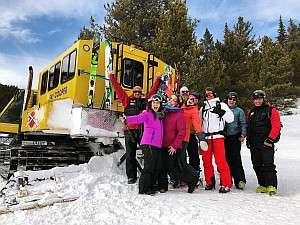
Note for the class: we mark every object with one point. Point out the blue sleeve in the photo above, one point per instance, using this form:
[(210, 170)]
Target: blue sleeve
[(243, 123)]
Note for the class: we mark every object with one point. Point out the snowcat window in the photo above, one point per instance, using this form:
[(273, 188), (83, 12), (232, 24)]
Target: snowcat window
[(64, 69), (54, 76), (68, 67), (72, 67), (132, 73), (44, 83)]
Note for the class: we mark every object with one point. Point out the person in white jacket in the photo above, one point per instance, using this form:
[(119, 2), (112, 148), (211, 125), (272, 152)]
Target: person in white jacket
[(214, 115)]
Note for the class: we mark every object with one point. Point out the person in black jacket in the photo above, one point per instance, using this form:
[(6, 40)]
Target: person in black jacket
[(263, 129)]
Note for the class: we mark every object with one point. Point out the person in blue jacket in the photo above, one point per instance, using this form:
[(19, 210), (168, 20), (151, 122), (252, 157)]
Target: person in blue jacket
[(235, 134)]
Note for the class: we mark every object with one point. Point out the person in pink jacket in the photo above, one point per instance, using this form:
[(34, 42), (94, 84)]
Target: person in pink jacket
[(151, 144), (174, 133)]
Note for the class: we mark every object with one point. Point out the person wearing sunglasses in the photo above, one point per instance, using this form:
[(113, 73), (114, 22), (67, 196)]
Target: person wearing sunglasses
[(153, 172), (214, 116), (235, 134), (183, 95), (193, 132), (133, 104), (264, 127)]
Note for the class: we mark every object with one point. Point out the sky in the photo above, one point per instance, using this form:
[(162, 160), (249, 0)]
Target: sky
[(36, 32)]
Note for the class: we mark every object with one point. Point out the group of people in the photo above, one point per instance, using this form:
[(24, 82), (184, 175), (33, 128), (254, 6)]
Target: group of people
[(166, 134)]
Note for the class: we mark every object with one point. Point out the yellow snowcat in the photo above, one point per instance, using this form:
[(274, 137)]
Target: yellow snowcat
[(73, 114)]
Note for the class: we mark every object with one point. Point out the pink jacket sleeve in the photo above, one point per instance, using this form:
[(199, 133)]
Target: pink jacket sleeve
[(138, 119)]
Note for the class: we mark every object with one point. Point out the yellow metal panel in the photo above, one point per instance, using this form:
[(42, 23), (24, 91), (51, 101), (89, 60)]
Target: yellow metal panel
[(9, 128), (100, 84), (35, 119), (82, 81)]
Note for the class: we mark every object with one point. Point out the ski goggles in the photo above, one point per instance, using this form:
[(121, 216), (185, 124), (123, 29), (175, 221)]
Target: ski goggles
[(232, 99), (155, 98)]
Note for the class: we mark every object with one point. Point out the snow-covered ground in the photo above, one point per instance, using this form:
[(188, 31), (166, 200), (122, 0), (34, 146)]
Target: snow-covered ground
[(106, 198)]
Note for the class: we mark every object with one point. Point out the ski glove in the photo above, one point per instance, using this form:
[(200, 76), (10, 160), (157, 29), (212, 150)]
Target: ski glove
[(201, 136), (217, 110), (202, 141), (248, 144), (269, 143)]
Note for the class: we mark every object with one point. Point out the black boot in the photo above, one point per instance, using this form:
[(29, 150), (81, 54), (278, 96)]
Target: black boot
[(212, 185)]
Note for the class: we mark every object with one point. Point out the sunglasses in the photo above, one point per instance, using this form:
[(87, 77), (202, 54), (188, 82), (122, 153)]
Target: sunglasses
[(185, 91), (137, 92), (232, 99), (209, 94)]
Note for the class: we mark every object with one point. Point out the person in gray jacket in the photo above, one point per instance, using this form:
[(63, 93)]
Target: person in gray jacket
[(235, 134)]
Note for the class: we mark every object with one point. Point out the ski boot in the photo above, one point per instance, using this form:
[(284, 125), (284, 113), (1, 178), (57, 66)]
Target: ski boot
[(261, 189), (241, 185), (224, 189), (271, 190), (211, 186)]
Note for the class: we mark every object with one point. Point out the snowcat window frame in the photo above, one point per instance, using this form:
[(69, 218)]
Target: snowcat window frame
[(44, 83), (54, 73), (136, 66), (71, 67)]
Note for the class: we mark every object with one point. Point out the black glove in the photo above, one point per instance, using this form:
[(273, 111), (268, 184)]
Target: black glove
[(201, 136), (269, 143), (217, 110), (248, 144)]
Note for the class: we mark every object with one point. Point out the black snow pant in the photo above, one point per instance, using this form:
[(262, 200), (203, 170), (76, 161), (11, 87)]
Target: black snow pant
[(233, 158), (192, 150), (263, 164), (154, 173), (179, 170), (132, 138)]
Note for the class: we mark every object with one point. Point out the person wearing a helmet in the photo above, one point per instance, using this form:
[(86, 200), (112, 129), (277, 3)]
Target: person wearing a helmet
[(133, 104), (235, 134), (151, 145), (263, 129)]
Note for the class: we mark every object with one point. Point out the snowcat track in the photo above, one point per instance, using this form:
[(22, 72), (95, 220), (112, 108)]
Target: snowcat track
[(41, 157)]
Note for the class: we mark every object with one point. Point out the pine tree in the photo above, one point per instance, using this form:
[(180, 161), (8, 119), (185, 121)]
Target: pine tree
[(293, 43), (93, 32), (132, 21), (236, 54), (175, 35), (282, 36), (276, 68), (207, 43)]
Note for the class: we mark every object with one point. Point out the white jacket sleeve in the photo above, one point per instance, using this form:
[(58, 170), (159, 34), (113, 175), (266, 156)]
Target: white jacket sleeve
[(228, 116)]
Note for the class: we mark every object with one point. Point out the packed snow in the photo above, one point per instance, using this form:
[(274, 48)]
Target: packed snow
[(106, 198)]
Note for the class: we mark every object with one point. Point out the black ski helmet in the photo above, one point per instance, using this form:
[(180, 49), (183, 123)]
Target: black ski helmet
[(208, 89), (196, 95), (233, 95), (258, 94)]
